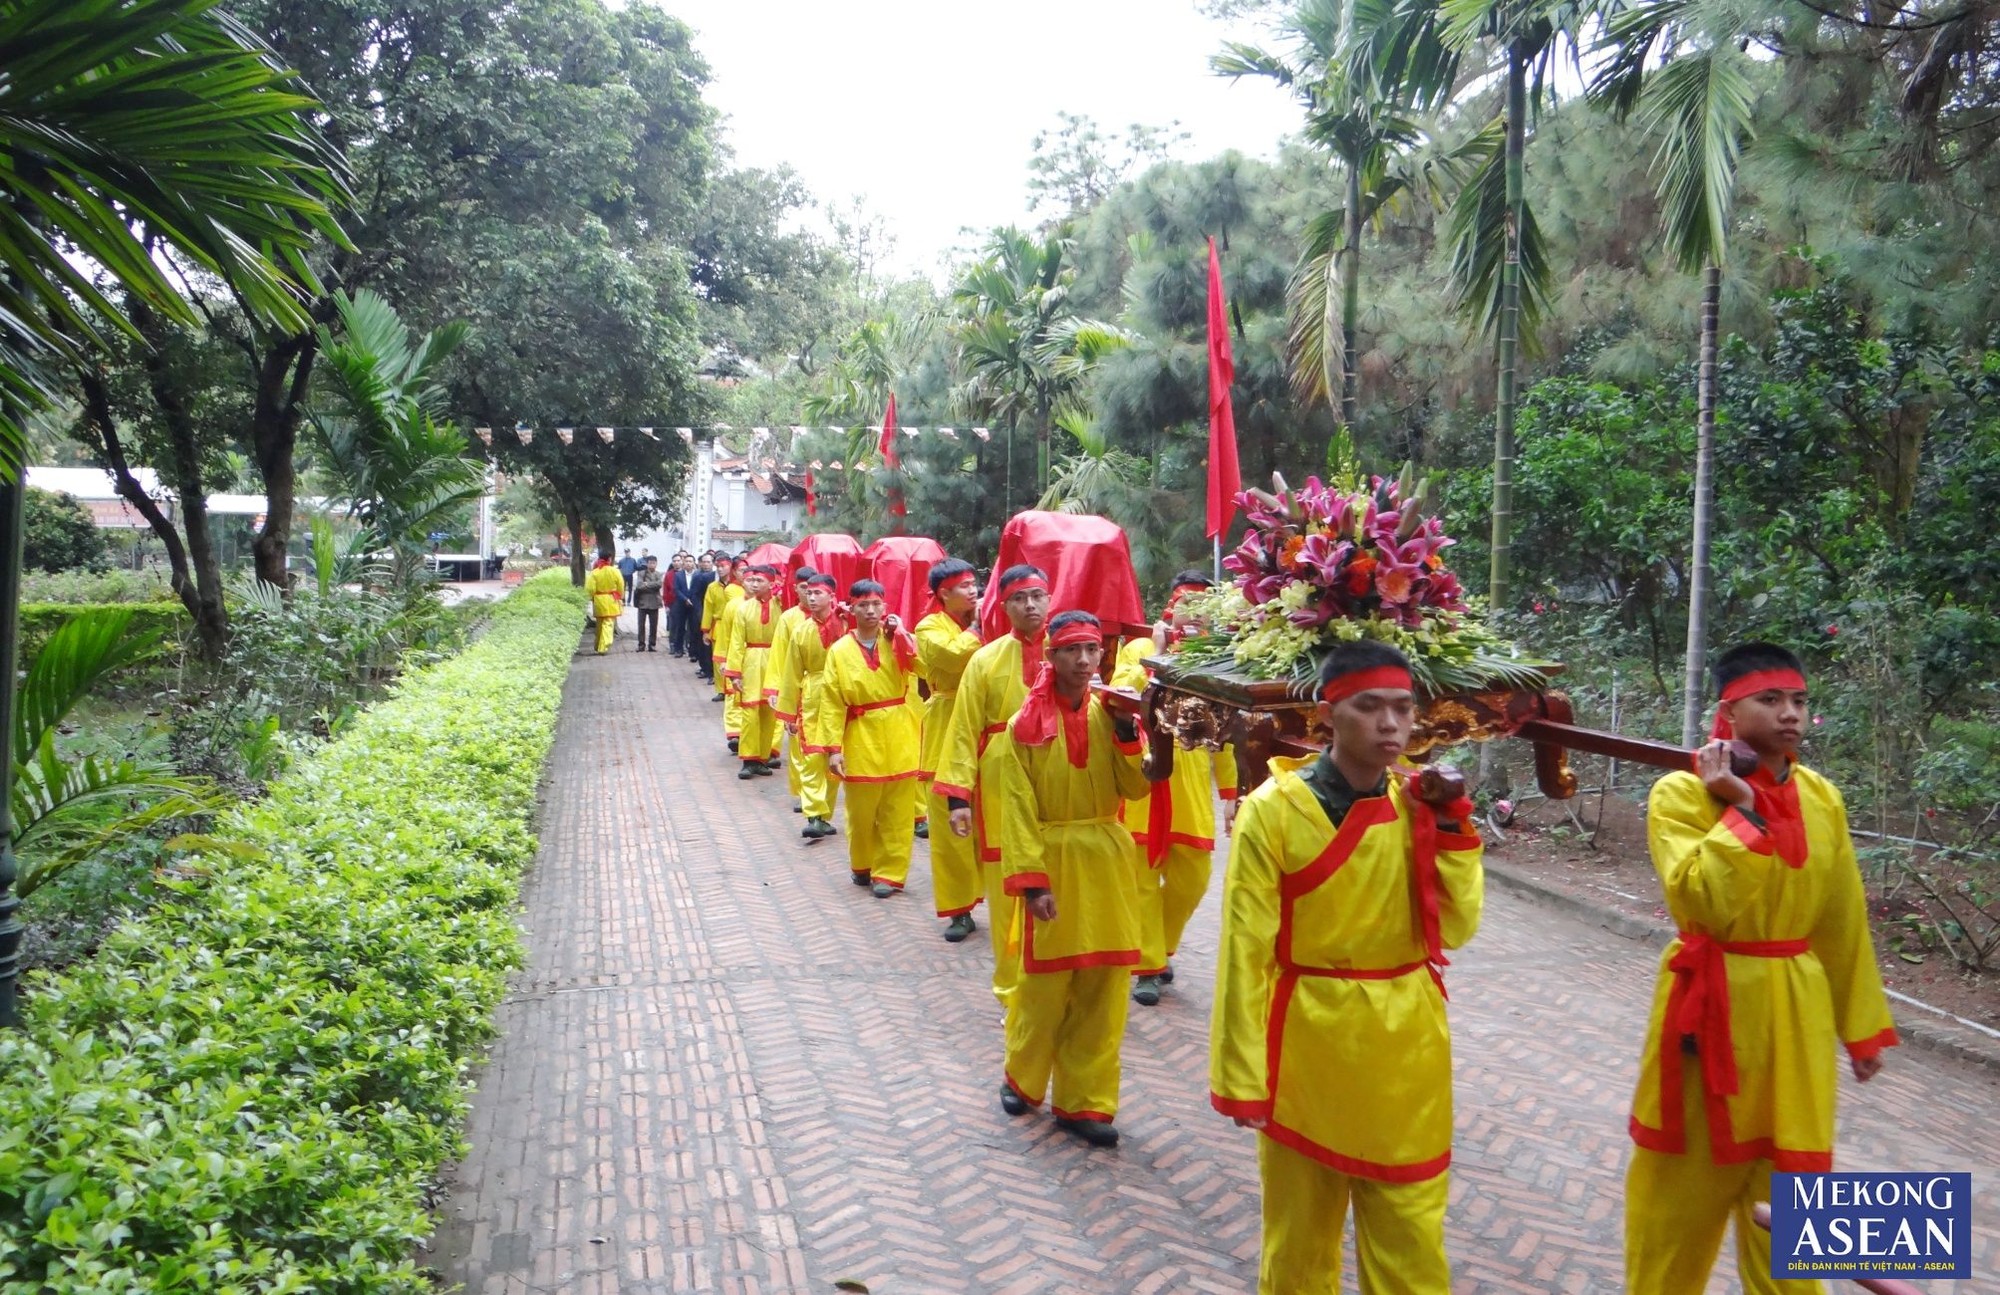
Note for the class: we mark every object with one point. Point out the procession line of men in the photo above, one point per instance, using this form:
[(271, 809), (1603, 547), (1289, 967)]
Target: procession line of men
[(1344, 893)]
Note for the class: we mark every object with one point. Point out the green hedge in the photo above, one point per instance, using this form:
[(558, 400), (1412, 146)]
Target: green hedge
[(41, 620), (250, 1086)]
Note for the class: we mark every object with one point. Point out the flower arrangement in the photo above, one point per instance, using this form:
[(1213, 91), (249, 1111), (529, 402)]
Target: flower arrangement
[(1323, 565)]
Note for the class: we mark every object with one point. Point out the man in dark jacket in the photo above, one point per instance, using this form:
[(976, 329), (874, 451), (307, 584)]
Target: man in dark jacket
[(681, 613), (703, 653)]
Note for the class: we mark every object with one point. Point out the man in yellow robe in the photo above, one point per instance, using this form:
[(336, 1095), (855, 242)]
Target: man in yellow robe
[(869, 727), (1173, 827), (1329, 1034), (752, 624), (774, 678), (1772, 966), (991, 689), (606, 586), (1060, 770), (798, 701), (946, 640), (715, 622)]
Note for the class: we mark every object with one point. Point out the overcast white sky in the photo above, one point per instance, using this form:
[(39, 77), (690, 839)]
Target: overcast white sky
[(926, 108)]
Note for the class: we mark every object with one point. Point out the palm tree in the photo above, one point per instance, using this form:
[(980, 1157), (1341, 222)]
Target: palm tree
[(402, 470), (1349, 114), (1022, 353), (1418, 48), (1701, 100), (149, 141)]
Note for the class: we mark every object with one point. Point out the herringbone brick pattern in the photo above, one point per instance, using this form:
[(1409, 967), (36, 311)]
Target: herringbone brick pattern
[(728, 1070)]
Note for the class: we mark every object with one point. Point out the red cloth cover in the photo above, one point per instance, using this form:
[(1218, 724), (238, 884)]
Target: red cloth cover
[(1089, 564), (902, 565), (830, 553)]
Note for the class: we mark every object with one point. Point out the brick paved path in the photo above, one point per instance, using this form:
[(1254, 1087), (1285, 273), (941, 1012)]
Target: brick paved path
[(728, 1070)]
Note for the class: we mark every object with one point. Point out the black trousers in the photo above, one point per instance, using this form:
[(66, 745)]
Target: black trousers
[(649, 627), (680, 627)]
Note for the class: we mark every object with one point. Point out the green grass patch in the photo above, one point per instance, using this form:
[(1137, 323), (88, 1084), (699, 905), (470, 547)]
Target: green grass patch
[(251, 1085)]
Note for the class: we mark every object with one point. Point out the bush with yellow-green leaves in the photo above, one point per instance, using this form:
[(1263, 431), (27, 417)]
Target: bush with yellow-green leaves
[(250, 1086)]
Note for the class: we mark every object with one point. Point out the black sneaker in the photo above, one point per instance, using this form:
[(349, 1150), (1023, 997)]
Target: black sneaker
[(1012, 1102), (1098, 1133), (924, 830), (732, 746), (762, 768), (883, 890), (860, 878), (960, 927), (744, 773), (1146, 991), (1167, 976)]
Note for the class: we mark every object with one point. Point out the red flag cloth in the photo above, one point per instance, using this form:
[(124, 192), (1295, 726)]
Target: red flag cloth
[(892, 461), (902, 565), (1225, 477), (886, 445), (812, 500), (1089, 563)]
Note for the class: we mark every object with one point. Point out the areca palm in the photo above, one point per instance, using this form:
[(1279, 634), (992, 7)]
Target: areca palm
[(141, 139), (402, 468), (142, 143), (1701, 100), (1363, 125), (1020, 348), (1420, 48)]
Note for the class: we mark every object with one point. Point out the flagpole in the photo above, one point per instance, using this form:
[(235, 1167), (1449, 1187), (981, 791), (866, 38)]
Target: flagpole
[(1218, 559)]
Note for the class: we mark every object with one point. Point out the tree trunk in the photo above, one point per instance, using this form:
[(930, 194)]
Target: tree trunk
[(607, 543), (283, 376), (1499, 584), (1350, 300), (1693, 693), (210, 615), (574, 516), (1042, 442)]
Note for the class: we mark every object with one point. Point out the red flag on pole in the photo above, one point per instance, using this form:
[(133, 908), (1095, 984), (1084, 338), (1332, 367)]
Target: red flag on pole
[(886, 445), (1225, 478), (891, 460), (812, 499)]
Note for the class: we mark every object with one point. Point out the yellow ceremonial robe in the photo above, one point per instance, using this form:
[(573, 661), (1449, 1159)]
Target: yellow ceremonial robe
[(715, 622), (1330, 1026), (943, 649), (797, 702), (989, 692), (867, 713), (752, 624), (774, 678), (606, 587), (1060, 833), (1786, 944), (1171, 889)]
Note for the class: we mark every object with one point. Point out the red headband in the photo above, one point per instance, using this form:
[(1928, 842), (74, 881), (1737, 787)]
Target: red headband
[(1077, 632), (964, 578), (1757, 681), (1008, 588), (1341, 687)]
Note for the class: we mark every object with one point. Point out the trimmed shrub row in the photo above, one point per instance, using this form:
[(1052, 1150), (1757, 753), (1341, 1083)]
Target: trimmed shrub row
[(40, 621), (250, 1086)]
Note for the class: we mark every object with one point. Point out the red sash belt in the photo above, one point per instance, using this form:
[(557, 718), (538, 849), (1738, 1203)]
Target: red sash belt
[(1698, 1004), (1366, 973), (865, 707)]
